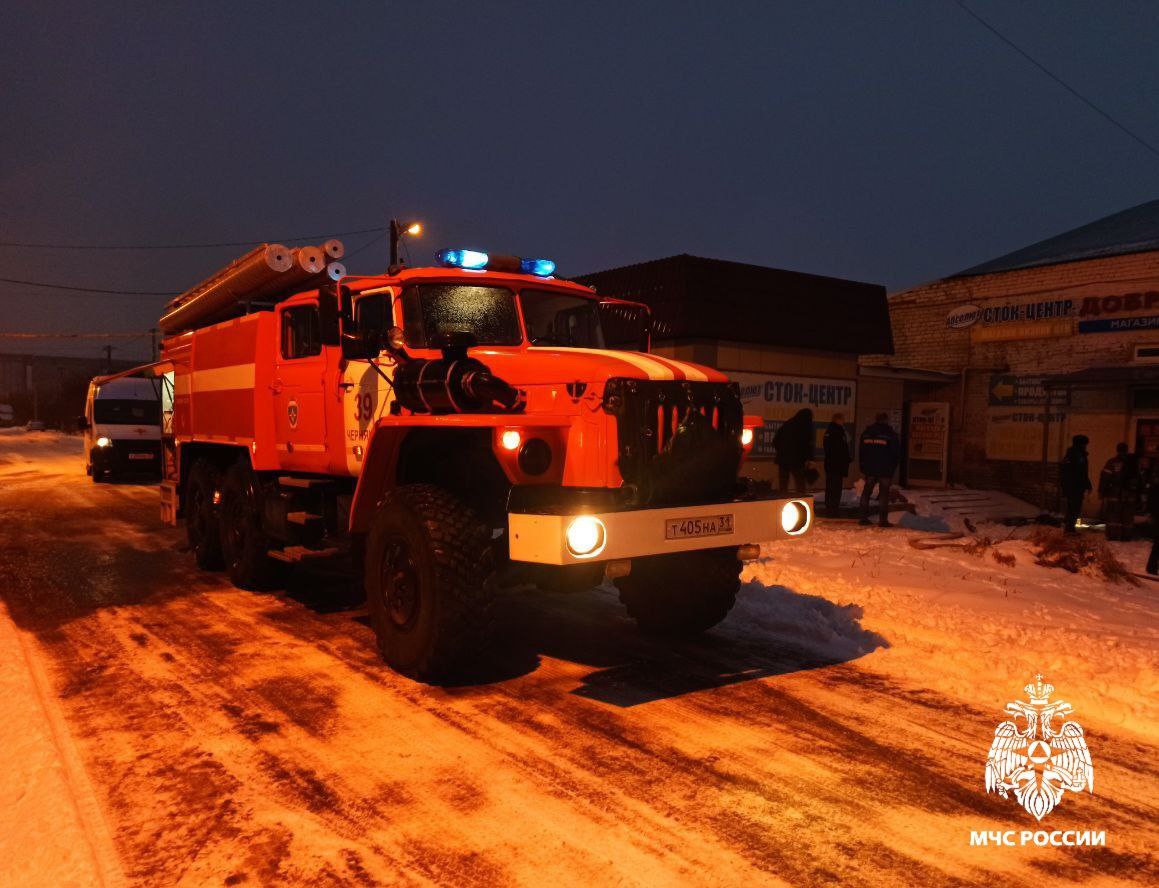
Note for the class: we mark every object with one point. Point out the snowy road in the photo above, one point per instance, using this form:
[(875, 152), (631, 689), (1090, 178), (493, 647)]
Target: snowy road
[(236, 738)]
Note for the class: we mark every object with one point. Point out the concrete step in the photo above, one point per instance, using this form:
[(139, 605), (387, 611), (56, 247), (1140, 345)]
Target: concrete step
[(303, 483), (302, 518), (294, 554)]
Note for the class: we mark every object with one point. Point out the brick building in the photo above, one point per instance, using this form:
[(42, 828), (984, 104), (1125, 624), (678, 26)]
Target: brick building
[(49, 387), (791, 340), (1021, 353)]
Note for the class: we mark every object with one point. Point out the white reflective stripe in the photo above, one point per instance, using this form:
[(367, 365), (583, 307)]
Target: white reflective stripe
[(222, 379), (691, 373), (653, 368)]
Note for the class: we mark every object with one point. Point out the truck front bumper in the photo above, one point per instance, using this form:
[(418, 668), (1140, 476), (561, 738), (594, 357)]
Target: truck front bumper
[(551, 538)]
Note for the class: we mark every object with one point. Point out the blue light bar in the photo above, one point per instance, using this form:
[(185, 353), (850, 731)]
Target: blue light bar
[(538, 267), (473, 259)]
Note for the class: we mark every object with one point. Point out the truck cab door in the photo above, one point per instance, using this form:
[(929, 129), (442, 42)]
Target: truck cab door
[(298, 389), (366, 396)]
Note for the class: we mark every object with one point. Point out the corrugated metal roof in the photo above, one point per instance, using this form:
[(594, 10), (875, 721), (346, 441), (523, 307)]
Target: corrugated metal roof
[(1130, 231), (692, 297)]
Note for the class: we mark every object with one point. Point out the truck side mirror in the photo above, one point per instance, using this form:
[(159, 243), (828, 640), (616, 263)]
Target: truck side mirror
[(82, 424), (362, 345)]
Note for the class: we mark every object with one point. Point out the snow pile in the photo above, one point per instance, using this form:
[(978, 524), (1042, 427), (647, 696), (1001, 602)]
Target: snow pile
[(22, 450), (828, 630), (44, 837)]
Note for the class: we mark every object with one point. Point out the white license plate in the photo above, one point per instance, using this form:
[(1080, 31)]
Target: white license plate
[(686, 528), (140, 456)]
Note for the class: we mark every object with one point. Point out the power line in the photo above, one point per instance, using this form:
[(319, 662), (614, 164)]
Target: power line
[(382, 232), (1074, 92), (249, 243), (88, 289), (368, 244), (75, 335)]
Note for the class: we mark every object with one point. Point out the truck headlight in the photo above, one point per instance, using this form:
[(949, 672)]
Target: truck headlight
[(794, 517), (586, 536), (102, 441), (746, 437)]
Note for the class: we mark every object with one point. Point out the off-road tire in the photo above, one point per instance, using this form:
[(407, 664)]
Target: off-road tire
[(681, 594), (244, 545), (430, 581), (202, 528)]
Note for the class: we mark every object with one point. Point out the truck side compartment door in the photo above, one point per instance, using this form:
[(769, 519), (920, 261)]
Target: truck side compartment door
[(298, 389)]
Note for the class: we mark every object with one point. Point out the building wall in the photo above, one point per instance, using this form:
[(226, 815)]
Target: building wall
[(779, 364), (58, 385), (1037, 324)]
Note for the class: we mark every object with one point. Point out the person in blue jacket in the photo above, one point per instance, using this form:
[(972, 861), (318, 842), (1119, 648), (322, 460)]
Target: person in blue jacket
[(879, 453)]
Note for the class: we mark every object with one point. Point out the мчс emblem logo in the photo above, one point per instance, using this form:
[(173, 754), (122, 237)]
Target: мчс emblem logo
[(1034, 760), (292, 414)]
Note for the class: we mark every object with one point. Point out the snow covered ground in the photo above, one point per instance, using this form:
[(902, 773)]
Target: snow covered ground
[(967, 625), (833, 730)]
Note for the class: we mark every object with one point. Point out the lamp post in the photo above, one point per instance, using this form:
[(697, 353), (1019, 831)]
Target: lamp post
[(397, 230)]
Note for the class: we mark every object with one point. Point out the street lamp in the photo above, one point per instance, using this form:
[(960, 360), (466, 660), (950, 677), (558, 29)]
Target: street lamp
[(397, 230)]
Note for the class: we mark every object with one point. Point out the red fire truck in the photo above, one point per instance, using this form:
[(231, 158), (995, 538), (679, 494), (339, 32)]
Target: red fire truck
[(444, 428)]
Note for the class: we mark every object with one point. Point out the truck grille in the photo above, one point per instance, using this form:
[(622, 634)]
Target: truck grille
[(679, 442)]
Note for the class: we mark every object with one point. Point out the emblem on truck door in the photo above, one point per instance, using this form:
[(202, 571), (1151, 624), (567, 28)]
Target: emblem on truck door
[(292, 414)]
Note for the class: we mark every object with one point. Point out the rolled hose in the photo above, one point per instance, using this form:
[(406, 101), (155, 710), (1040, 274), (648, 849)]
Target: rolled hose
[(458, 385)]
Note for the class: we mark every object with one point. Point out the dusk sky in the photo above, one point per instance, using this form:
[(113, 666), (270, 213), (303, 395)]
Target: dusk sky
[(885, 142)]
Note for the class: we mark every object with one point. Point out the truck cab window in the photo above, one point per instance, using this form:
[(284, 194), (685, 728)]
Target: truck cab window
[(555, 318), (373, 313), (301, 332), (116, 411), (432, 310)]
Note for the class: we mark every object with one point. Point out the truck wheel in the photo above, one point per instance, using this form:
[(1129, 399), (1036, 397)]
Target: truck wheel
[(244, 545), (201, 518), (430, 581), (96, 472), (681, 594)]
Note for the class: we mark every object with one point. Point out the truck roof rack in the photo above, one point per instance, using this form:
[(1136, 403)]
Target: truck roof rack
[(264, 276)]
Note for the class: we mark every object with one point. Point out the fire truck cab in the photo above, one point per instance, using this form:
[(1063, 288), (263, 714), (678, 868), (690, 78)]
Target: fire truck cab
[(445, 428)]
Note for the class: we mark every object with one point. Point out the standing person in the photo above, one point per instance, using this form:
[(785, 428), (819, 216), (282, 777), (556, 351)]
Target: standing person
[(879, 453), (837, 460), (794, 443), (1074, 479), (1153, 509), (1118, 489)]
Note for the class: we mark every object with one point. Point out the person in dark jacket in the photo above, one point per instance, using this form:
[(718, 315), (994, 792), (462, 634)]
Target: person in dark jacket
[(1153, 510), (794, 442), (837, 460), (1119, 491), (879, 452), (1074, 479)]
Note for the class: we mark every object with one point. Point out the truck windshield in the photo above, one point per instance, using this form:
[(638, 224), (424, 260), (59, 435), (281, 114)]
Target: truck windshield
[(114, 411), (554, 318), (430, 311)]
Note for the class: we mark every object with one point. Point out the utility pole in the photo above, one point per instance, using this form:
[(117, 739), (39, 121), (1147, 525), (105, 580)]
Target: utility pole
[(395, 236), (397, 230), (153, 340), (108, 359)]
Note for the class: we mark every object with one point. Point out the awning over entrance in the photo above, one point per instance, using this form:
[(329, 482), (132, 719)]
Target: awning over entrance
[(1105, 377), (909, 374)]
